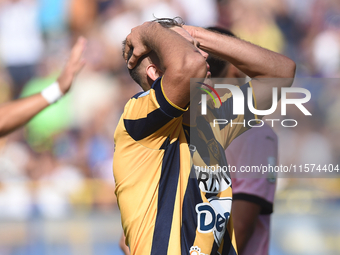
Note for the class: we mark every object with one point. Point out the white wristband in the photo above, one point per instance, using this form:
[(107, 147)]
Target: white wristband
[(52, 93)]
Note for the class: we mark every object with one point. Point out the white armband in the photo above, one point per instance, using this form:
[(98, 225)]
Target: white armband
[(52, 93)]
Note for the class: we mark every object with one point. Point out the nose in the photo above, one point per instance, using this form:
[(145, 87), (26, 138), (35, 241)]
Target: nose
[(204, 54)]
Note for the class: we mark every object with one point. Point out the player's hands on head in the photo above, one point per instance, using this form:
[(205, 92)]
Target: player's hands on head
[(193, 31), (74, 64), (135, 41)]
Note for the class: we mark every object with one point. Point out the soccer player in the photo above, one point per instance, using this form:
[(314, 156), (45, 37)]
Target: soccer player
[(253, 194), (17, 113), (163, 209)]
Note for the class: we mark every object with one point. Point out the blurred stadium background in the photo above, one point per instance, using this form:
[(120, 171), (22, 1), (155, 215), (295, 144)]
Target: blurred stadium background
[(56, 183)]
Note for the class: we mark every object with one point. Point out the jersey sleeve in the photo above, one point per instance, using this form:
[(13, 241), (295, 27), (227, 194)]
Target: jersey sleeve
[(150, 117)]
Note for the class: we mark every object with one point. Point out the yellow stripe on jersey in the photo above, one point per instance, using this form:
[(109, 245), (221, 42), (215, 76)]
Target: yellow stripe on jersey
[(168, 100)]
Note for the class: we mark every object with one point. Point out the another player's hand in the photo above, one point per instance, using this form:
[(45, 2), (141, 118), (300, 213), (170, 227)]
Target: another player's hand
[(135, 42), (74, 64)]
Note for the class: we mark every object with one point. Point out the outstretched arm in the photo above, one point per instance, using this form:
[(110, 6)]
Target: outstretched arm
[(179, 58), (254, 61), (17, 113)]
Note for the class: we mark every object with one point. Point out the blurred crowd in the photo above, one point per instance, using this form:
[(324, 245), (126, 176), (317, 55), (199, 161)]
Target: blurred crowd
[(63, 158)]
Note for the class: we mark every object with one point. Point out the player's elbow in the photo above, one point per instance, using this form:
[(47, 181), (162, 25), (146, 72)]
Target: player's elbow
[(286, 74), (6, 124), (194, 66), (289, 69), (2, 127)]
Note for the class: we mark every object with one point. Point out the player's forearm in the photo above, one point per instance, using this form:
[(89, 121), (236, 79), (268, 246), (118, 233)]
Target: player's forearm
[(253, 60), (17, 113), (242, 240), (245, 216)]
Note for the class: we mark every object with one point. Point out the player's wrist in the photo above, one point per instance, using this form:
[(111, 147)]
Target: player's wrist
[(195, 32), (209, 41), (203, 36), (149, 32), (52, 93)]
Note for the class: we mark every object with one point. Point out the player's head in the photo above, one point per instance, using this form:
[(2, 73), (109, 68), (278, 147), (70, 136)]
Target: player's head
[(220, 68), (140, 72), (149, 67)]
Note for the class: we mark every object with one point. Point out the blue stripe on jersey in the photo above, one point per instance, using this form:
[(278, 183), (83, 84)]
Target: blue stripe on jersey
[(166, 199), (228, 248), (141, 128), (205, 128), (192, 197), (165, 144), (225, 112), (232, 251), (215, 248)]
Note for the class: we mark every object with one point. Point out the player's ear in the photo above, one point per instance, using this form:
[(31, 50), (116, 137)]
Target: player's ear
[(153, 72)]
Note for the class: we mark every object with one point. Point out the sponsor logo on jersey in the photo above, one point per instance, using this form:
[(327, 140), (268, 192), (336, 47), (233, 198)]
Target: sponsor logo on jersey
[(195, 250), (212, 179), (213, 217)]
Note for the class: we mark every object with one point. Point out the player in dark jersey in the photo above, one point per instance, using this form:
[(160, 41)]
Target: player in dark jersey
[(17, 113), (163, 209)]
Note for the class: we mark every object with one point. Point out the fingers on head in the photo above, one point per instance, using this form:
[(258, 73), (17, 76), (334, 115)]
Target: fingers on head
[(136, 54), (128, 47)]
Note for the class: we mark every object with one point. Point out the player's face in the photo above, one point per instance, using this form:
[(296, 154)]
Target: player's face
[(192, 40)]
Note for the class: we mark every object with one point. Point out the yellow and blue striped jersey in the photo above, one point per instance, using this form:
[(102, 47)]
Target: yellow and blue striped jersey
[(165, 209)]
